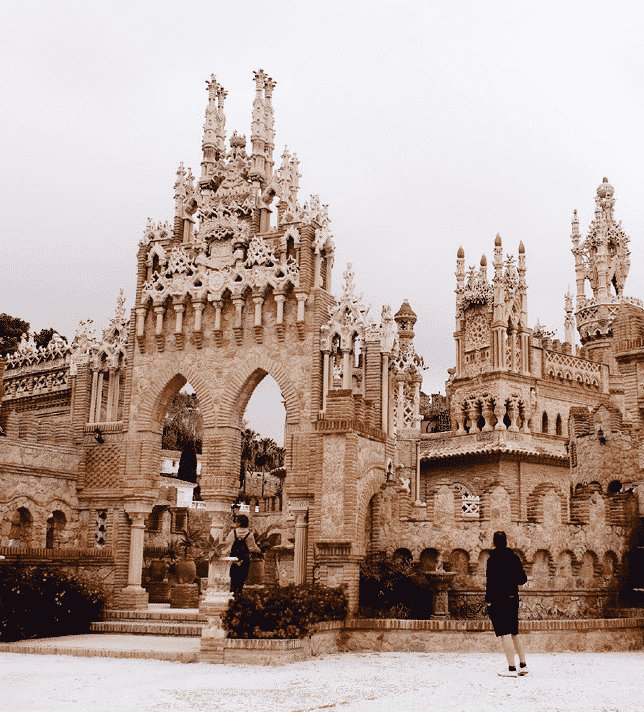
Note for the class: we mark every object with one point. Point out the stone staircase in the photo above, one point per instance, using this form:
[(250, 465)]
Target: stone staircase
[(159, 619), (158, 633)]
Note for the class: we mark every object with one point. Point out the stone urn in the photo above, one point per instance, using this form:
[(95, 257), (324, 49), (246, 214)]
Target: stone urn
[(255, 572), (440, 583), (186, 571), (213, 605)]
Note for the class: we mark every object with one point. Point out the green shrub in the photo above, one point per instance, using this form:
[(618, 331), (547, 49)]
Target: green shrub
[(283, 611), (44, 602), (391, 587)]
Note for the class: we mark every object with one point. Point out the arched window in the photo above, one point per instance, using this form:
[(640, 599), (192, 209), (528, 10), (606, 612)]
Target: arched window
[(544, 422), (55, 525), (559, 425), (21, 528)]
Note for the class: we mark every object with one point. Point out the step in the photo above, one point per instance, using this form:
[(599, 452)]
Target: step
[(106, 645), (143, 627), (179, 615)]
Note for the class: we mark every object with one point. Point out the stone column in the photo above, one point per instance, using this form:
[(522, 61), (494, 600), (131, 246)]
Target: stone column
[(401, 402), (385, 392), (416, 416), (280, 298), (325, 378), (99, 398), (140, 321), (134, 597), (347, 370), (300, 509), (92, 407), (417, 501), (158, 327), (110, 395)]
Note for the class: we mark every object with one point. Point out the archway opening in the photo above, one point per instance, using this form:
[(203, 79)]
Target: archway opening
[(21, 528), (262, 472), (179, 469), (55, 525)]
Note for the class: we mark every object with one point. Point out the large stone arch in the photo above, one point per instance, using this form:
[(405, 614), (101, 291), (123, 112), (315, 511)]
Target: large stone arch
[(165, 383), (240, 386), (371, 483)]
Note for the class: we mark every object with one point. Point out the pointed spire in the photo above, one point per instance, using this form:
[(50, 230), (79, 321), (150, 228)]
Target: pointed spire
[(214, 129), (269, 125), (258, 128), (498, 258), (179, 190)]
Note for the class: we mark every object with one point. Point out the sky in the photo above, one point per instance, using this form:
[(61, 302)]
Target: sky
[(423, 125)]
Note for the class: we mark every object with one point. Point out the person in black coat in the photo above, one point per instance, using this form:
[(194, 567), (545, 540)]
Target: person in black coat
[(504, 575)]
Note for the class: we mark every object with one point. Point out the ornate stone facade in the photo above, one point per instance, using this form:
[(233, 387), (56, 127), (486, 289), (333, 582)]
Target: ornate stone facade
[(539, 438)]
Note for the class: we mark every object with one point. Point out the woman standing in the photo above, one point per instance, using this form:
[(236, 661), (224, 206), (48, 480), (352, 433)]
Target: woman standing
[(240, 543), (504, 575)]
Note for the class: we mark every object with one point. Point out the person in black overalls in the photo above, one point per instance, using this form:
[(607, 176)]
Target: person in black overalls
[(240, 543), (504, 575)]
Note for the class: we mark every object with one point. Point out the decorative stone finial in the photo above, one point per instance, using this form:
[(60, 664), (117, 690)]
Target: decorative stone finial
[(461, 253), (483, 261), (497, 240)]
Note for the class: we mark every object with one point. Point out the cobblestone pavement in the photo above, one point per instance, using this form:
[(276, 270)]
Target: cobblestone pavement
[(353, 682)]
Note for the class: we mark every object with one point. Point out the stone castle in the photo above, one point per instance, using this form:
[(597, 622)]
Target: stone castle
[(540, 438)]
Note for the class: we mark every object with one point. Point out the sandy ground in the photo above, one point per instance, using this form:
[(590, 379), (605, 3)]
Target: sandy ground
[(350, 682)]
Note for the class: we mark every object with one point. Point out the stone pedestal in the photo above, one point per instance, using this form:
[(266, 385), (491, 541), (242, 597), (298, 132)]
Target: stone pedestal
[(440, 582), (213, 605), (133, 598), (159, 592), (184, 595)]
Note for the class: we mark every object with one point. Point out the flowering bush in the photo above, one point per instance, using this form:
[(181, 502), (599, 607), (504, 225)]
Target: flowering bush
[(44, 601), (283, 611)]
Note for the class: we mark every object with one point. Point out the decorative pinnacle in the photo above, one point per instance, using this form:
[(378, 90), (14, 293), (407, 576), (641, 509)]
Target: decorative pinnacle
[(213, 87), (521, 248), (483, 261), (269, 85), (461, 253), (260, 79), (497, 240)]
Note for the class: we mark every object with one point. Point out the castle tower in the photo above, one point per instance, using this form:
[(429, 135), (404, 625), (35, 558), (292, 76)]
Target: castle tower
[(491, 317), (602, 258), (224, 297)]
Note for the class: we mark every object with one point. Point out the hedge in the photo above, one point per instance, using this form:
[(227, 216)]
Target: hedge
[(44, 601), (283, 611)]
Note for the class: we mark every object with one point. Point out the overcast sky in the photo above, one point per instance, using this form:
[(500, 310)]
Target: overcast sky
[(424, 126)]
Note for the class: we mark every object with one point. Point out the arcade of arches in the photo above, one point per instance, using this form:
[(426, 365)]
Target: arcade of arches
[(535, 436)]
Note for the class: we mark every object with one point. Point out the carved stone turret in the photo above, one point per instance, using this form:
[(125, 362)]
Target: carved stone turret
[(603, 259)]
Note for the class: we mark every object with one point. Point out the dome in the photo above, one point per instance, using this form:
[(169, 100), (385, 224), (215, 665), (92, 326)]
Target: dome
[(605, 190), (405, 313)]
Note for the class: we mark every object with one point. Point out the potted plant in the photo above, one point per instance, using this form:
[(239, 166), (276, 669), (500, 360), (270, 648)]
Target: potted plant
[(161, 571), (264, 540)]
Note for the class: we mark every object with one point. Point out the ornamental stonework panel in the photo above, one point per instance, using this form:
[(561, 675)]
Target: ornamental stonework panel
[(103, 467)]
